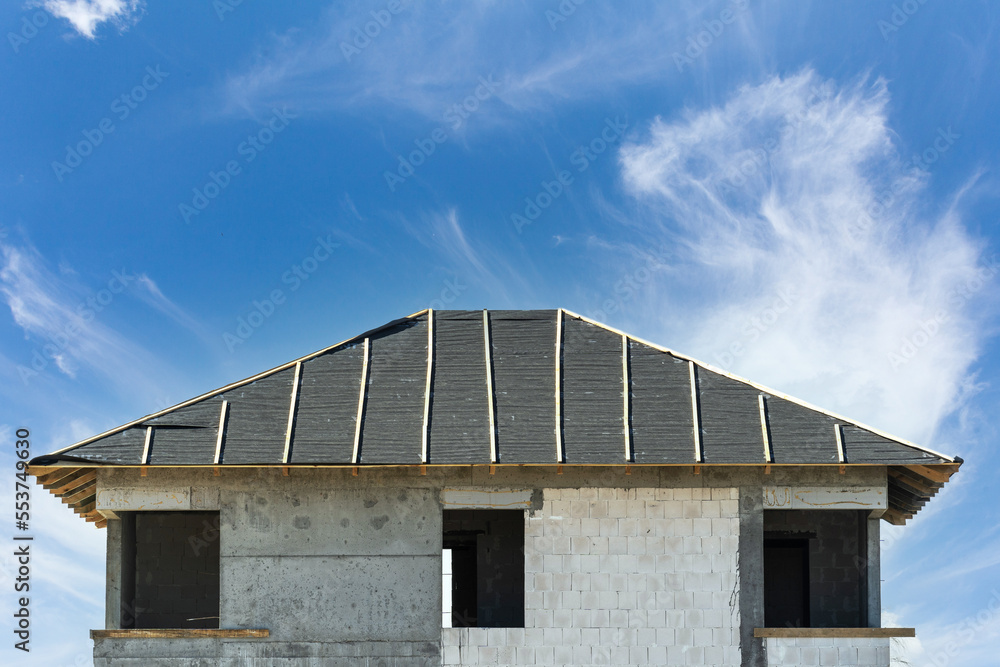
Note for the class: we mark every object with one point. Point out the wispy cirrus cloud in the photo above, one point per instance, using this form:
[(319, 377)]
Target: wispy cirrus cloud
[(801, 271), (430, 55), (149, 293), (86, 16), (68, 323), (473, 263)]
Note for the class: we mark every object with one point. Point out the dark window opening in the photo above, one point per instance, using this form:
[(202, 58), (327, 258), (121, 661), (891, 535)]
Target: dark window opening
[(170, 570), (486, 551), (786, 583), (815, 568)]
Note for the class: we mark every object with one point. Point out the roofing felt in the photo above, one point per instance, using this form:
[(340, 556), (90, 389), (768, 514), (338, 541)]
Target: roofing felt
[(493, 387)]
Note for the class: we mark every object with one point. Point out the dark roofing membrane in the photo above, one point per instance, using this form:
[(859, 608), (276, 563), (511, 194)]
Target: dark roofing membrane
[(591, 420)]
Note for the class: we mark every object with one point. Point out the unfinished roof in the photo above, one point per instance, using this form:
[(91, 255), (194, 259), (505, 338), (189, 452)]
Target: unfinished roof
[(502, 388)]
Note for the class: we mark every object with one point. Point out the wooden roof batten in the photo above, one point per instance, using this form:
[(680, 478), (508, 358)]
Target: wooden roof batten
[(627, 402), (293, 403), (362, 397), (491, 406), (762, 405), (560, 457), (425, 432), (699, 457), (221, 435), (912, 483)]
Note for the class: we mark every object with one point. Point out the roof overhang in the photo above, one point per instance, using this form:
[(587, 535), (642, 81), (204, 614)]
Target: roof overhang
[(910, 487)]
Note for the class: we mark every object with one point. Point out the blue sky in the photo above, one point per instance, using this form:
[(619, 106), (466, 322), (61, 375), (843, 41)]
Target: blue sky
[(803, 193)]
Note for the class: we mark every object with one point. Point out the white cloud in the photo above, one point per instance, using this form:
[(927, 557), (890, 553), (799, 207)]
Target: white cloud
[(471, 264), (812, 257), (945, 642), (430, 56), (86, 15), (449, 237), (151, 294), (797, 275), (70, 327), (66, 552)]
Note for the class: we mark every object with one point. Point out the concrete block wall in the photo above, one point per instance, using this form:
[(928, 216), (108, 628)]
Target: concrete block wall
[(616, 576), (788, 652), (309, 563), (346, 570), (340, 573)]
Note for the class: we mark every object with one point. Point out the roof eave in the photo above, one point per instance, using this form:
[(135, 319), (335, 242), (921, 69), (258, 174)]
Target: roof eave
[(75, 481)]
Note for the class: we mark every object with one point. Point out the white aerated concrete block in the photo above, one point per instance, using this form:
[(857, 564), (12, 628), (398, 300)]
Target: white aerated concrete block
[(625, 577), (827, 652)]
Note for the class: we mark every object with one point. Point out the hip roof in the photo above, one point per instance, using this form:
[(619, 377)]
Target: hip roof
[(503, 387)]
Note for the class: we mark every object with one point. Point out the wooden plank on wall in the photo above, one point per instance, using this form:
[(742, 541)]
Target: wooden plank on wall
[(181, 633), (834, 633)]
